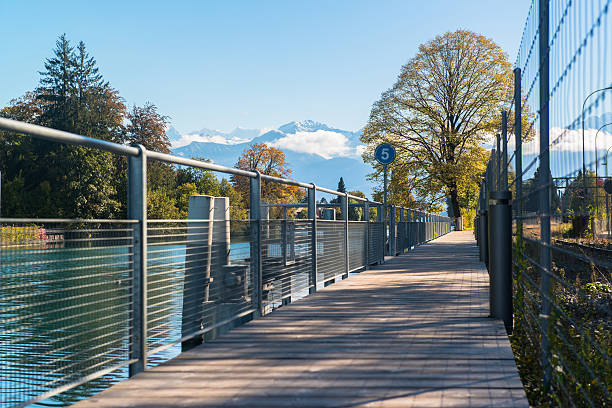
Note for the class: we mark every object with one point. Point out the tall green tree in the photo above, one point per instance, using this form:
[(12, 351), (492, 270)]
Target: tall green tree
[(446, 103), (61, 180), (341, 187), (355, 213), (146, 126)]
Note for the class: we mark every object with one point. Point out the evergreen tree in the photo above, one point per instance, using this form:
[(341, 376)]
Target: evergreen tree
[(56, 83), (341, 187)]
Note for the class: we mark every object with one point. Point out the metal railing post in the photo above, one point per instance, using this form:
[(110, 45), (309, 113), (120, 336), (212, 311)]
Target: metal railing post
[(312, 214), (381, 219), (366, 218), (137, 210), (345, 216), (498, 164), (518, 155), (544, 202), (504, 183), (426, 226), (410, 229), (500, 230), (417, 224), (484, 231), (256, 272), (392, 233), (402, 230)]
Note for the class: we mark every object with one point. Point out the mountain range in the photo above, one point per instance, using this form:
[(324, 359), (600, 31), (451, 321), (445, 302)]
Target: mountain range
[(316, 152)]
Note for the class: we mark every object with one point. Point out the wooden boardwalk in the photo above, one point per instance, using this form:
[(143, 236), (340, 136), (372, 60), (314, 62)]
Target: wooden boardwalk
[(413, 332)]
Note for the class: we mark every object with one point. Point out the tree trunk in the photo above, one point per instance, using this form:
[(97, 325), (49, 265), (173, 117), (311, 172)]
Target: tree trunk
[(455, 201)]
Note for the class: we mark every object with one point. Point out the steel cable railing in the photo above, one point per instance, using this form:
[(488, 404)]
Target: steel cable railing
[(65, 304)]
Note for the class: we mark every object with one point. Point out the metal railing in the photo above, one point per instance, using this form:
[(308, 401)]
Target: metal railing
[(86, 303), (561, 284)]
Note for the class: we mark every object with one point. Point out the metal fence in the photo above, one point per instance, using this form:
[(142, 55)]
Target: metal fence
[(86, 303), (552, 155)]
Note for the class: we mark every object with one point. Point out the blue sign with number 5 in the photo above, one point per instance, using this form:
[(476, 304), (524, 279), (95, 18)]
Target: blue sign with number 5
[(385, 153)]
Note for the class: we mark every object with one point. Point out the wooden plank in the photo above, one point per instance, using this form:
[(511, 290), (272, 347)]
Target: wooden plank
[(413, 332)]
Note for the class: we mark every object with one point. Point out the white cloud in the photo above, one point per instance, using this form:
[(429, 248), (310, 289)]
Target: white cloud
[(568, 141), (360, 149), (187, 139), (325, 143)]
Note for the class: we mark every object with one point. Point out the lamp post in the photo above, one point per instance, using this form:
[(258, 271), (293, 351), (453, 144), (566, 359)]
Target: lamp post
[(584, 182)]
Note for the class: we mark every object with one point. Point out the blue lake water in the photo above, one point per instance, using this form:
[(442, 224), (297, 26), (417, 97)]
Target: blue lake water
[(65, 314)]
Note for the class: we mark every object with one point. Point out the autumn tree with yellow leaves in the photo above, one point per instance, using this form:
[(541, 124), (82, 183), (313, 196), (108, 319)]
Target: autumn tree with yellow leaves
[(445, 105), (270, 161)]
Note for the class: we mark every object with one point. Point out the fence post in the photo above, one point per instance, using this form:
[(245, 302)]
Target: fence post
[(137, 210), (504, 183), (392, 234), (425, 227), (345, 216), (410, 228), (415, 220), (498, 164), (518, 155), (381, 219), (312, 214), (544, 204), (402, 229), (256, 272), (500, 230), (366, 218), (484, 223)]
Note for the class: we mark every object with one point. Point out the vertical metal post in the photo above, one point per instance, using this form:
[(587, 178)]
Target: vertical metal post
[(409, 214), (477, 226), (421, 227), (381, 219), (312, 214), (366, 244), (392, 234), (385, 212), (137, 210), (284, 241), (544, 207), (256, 272), (344, 209), (402, 229), (518, 155), (504, 183), (484, 222), (498, 164), (417, 219), (500, 230)]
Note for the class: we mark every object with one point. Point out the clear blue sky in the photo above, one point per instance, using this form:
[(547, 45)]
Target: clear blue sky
[(222, 64)]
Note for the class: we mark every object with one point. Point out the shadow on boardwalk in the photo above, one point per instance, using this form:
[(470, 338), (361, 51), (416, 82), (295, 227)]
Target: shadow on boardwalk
[(413, 332)]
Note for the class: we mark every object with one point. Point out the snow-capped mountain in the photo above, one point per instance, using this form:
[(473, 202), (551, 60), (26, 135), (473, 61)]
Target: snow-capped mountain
[(315, 152), (236, 136)]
